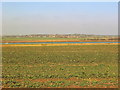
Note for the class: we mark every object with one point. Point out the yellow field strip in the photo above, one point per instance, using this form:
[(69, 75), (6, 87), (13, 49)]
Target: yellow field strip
[(60, 40), (7, 45)]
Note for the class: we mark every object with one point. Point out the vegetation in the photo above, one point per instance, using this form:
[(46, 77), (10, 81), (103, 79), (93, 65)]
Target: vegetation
[(37, 38), (58, 36), (60, 66)]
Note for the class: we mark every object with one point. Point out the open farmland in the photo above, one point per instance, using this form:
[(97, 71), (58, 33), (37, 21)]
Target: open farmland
[(60, 66)]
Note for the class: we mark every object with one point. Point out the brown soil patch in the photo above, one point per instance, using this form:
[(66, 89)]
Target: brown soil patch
[(45, 80), (98, 86)]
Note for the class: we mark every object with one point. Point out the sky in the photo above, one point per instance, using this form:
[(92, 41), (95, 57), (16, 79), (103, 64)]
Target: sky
[(20, 18)]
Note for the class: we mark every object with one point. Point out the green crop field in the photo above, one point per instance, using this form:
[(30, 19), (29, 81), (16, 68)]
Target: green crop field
[(60, 66), (53, 38), (37, 38)]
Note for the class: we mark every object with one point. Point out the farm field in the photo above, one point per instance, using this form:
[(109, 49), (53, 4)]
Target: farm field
[(81, 66), (47, 39), (37, 38)]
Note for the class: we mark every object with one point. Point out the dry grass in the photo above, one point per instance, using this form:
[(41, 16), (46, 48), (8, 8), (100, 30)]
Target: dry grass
[(59, 44)]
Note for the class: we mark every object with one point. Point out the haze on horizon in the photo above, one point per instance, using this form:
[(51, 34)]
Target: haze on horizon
[(21, 18)]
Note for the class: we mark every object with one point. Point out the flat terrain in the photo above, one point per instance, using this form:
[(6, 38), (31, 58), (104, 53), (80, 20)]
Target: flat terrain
[(48, 39), (36, 38), (60, 66)]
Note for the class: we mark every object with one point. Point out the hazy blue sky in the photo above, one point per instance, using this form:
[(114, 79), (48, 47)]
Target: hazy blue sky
[(60, 18)]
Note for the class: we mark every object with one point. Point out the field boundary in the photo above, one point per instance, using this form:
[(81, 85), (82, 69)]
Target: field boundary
[(7, 45)]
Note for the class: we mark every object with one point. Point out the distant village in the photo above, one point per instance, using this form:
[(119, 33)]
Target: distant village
[(84, 36)]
